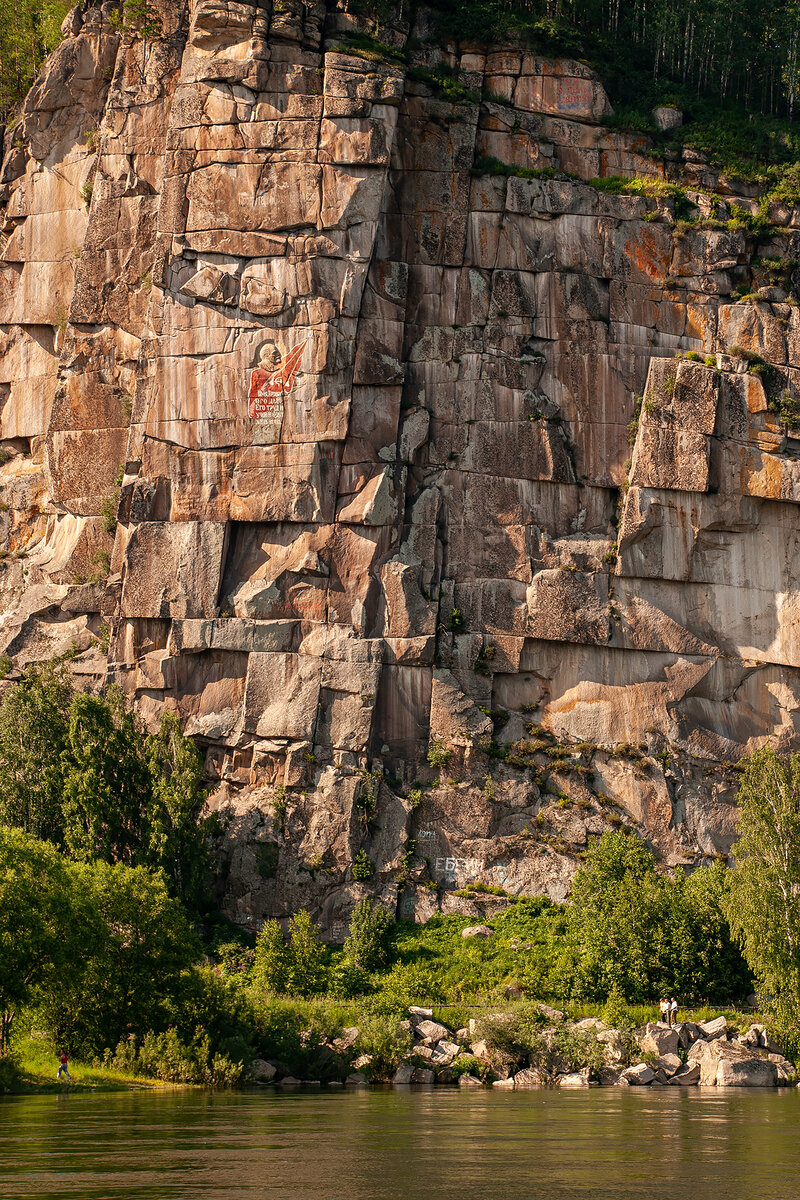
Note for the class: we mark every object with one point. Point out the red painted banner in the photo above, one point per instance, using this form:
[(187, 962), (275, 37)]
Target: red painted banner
[(270, 382)]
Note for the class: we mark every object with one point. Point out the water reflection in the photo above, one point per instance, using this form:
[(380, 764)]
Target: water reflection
[(403, 1145)]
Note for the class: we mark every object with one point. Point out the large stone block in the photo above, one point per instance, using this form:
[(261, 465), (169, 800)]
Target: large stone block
[(173, 569)]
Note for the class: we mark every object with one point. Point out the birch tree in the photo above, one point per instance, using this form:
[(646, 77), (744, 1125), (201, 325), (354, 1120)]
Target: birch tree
[(763, 903)]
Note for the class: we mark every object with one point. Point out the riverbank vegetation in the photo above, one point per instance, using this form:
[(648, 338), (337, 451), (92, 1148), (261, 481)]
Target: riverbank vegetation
[(108, 964), (109, 950)]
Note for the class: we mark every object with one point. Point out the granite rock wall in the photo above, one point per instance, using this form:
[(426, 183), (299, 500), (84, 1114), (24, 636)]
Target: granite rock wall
[(320, 430)]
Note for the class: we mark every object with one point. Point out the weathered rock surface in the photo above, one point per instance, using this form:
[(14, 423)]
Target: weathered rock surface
[(638, 1075), (711, 1030), (727, 1064), (575, 1079), (361, 408), (262, 1071), (687, 1076)]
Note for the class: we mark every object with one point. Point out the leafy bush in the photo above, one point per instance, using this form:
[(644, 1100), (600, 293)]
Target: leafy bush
[(165, 1056), (294, 1032), (763, 900), (512, 1037), (130, 949), (468, 1064), (638, 934), (347, 979), (307, 957), (369, 942), (487, 165), (786, 409), (438, 752), (615, 1012), (386, 1041), (270, 961), (362, 867), (297, 966), (570, 1050)]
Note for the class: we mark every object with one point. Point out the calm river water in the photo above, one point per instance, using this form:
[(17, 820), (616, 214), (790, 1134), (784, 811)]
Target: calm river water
[(668, 1144)]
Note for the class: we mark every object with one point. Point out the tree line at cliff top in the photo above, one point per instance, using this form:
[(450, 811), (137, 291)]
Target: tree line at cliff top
[(729, 64), (735, 50), (109, 941)]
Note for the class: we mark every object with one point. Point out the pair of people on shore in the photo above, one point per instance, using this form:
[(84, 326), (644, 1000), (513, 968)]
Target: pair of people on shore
[(669, 1011)]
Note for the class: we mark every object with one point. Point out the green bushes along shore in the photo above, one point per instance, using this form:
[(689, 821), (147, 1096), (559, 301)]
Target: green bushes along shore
[(107, 949)]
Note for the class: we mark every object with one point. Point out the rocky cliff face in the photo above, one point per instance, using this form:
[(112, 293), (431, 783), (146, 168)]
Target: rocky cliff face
[(317, 432)]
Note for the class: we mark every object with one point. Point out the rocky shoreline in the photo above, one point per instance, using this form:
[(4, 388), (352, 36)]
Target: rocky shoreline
[(709, 1053)]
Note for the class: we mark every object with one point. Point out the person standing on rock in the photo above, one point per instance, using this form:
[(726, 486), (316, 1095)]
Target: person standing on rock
[(663, 1008), (673, 1012)]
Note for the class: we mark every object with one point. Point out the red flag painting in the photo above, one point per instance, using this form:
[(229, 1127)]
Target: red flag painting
[(272, 380)]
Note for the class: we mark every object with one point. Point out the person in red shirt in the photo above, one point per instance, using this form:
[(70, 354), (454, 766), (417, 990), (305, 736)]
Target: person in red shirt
[(63, 1066)]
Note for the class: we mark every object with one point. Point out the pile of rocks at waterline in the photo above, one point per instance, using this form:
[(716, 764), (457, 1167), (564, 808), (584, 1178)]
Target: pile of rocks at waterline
[(691, 1054), (655, 1055)]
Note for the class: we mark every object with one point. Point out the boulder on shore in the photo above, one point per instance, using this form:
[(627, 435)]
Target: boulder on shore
[(262, 1071), (688, 1033), (710, 1030), (659, 1040), (638, 1075), (431, 1031), (575, 1079), (528, 1078), (729, 1064), (688, 1076)]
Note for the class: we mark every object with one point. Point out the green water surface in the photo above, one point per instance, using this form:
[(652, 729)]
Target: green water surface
[(669, 1144)]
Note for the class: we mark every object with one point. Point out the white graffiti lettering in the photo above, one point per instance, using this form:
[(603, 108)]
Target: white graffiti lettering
[(459, 866)]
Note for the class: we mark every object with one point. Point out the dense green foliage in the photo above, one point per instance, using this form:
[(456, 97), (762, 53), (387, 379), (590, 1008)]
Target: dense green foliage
[(369, 941), (105, 960), (638, 934), (37, 910), (29, 30), (764, 897), (743, 52), (95, 948), (629, 932), (80, 770), (98, 954), (296, 965), (733, 73)]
